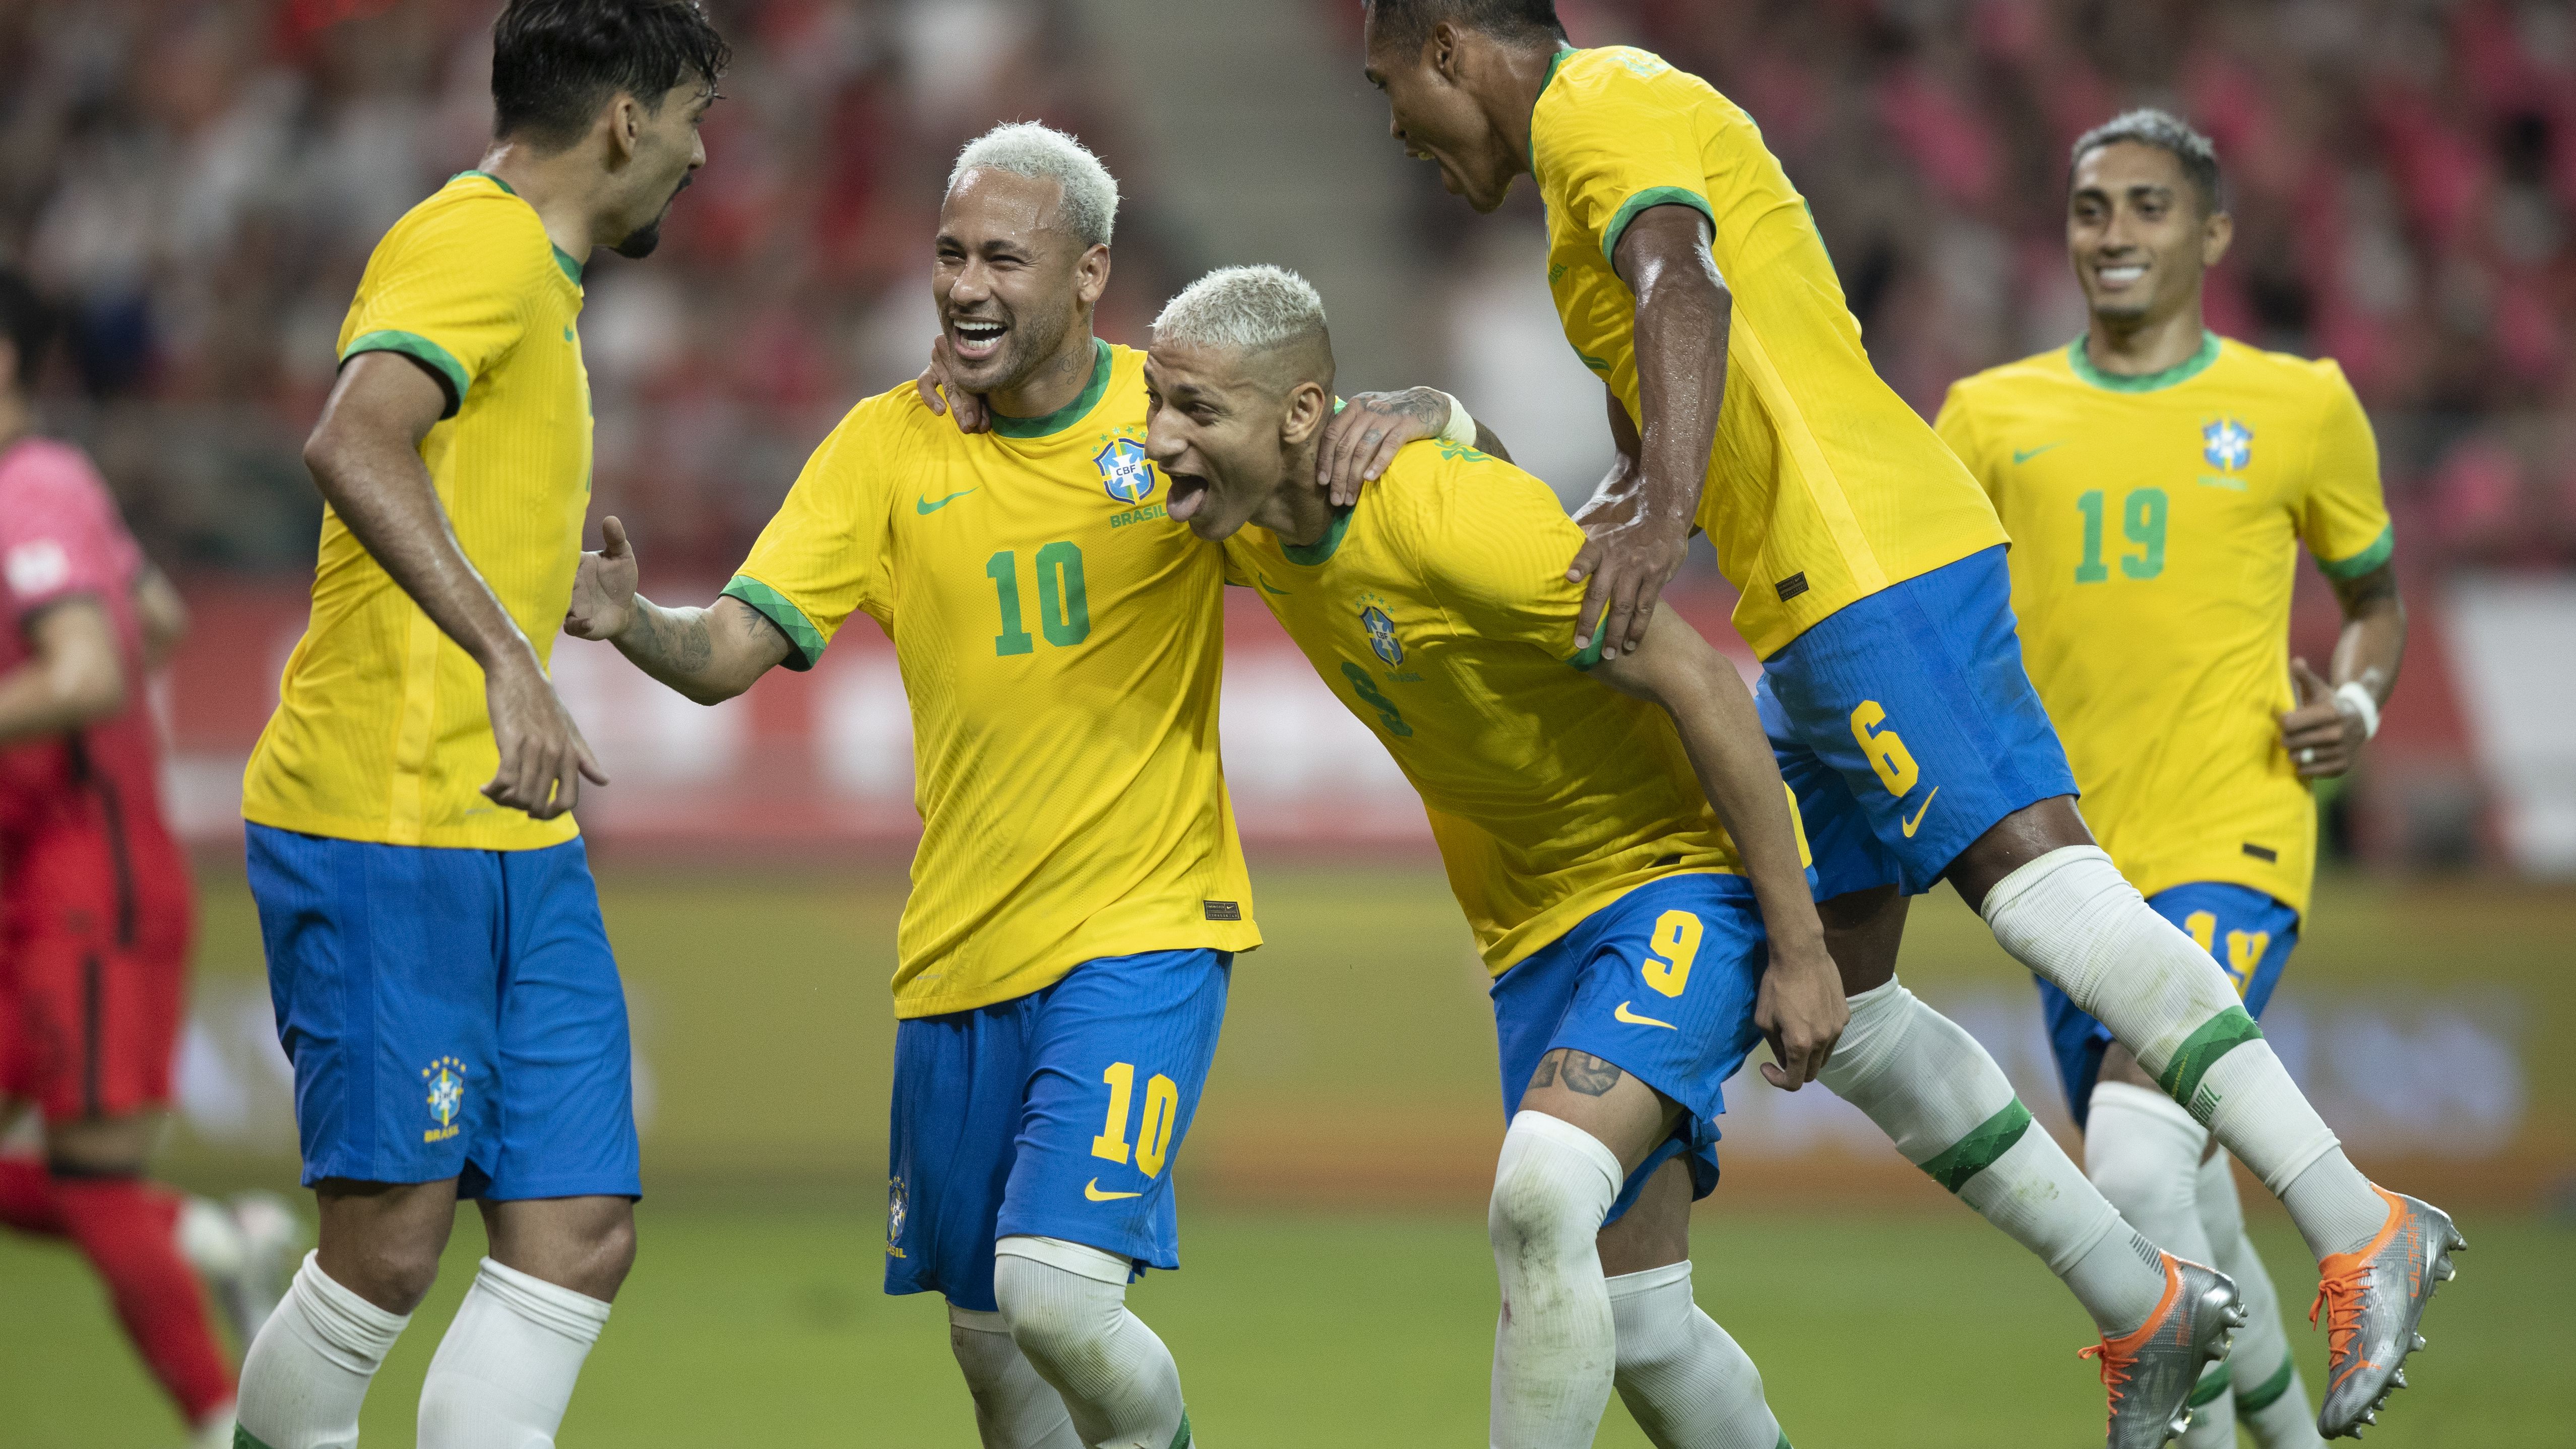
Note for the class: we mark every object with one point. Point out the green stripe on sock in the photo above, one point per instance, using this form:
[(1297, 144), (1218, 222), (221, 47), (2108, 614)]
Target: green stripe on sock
[(243, 1440), (2217, 1036), (2263, 1395), (2212, 1384), (1181, 1440), (1784, 1439), (1978, 1150)]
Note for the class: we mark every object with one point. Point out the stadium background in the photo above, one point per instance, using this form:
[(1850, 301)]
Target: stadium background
[(200, 184)]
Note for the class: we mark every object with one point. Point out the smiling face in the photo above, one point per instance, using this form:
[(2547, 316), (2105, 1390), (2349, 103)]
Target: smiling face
[(1435, 115), (667, 152), (1012, 280), (2137, 233), (1223, 428)]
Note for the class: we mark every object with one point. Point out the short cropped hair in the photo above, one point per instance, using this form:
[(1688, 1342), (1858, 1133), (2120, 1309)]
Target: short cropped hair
[(1408, 23), (28, 325), (1042, 153), (1244, 309), (2166, 132), (555, 63)]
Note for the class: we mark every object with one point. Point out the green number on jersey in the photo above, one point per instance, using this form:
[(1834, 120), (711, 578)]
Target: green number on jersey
[(2142, 518), (2091, 571), (1064, 605)]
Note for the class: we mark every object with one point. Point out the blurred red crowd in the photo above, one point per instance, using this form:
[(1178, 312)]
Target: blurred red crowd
[(200, 181)]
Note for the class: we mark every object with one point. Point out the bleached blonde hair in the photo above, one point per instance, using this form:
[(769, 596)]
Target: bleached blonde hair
[(1243, 309), (1043, 153)]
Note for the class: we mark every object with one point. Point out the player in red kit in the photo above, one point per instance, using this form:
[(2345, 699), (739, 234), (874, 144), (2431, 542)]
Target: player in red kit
[(95, 909)]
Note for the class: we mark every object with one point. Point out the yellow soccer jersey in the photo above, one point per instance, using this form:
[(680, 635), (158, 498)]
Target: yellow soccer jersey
[(1823, 486), (2156, 523), (381, 733), (1060, 641), (1438, 612)]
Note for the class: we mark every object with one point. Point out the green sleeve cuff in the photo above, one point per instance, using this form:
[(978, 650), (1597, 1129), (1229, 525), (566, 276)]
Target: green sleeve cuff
[(1590, 654), (1650, 197), (2374, 557), (804, 641), (440, 363)]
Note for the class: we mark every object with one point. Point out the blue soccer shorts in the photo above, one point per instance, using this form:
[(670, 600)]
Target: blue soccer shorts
[(1908, 728), (1660, 983), (2251, 934), (449, 1014), (1054, 1115)]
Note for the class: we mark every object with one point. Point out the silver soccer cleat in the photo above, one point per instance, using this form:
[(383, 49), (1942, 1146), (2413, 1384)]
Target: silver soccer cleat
[(2150, 1373), (2373, 1300)]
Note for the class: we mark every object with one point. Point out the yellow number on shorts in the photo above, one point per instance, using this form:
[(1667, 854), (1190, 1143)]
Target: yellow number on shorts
[(1112, 1141), (2203, 926), (1677, 943), (2244, 948), (1154, 1137), (1887, 754)]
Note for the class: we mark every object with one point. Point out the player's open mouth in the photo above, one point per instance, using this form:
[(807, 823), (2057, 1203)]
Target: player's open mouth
[(1188, 492), (977, 339), (2119, 276)]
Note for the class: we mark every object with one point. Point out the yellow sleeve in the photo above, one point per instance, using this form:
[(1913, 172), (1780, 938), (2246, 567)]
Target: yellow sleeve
[(2343, 519), (1491, 547), (1238, 574), (455, 293), (1613, 149), (1958, 428), (823, 556)]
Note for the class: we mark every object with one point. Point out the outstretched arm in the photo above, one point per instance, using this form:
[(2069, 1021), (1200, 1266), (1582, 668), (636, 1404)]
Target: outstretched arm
[(709, 654), (1802, 1009), (2324, 735), (365, 457), (1638, 526)]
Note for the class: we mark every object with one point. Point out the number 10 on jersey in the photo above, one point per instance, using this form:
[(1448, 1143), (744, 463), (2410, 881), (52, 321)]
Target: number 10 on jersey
[(1064, 606)]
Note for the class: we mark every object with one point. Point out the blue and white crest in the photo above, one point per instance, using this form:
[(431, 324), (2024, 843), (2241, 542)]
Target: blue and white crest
[(1125, 471), (2227, 444), (1381, 632), (446, 1099)]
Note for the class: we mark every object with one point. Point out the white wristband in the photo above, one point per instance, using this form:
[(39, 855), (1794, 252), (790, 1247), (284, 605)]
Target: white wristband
[(1460, 429), (2364, 703)]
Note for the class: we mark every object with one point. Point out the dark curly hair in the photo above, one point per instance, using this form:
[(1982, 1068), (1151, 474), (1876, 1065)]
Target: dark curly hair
[(556, 62)]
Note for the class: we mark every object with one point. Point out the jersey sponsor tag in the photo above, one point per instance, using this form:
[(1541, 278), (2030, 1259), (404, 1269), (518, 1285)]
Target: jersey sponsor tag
[(2263, 853), (1222, 910), (1792, 586)]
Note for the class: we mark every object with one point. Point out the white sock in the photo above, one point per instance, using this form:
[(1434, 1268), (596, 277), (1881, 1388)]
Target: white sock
[(2270, 1401), (1937, 1094), (2143, 1150), (504, 1373), (1067, 1309), (1555, 1349), (2070, 917), (307, 1372), (1683, 1379), (1014, 1408)]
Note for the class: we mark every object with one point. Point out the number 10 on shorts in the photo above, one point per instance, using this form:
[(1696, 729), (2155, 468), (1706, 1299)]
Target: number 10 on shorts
[(1154, 1135)]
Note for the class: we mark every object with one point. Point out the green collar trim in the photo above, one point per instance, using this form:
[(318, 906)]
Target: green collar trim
[(563, 259), (1554, 63), (1072, 412), (1311, 554), (2179, 373)]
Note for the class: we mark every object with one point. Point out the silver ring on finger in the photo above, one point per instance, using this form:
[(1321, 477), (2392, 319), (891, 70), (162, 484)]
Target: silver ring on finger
[(2308, 756)]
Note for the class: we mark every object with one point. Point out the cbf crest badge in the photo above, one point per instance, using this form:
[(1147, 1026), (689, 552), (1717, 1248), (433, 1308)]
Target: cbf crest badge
[(1381, 630), (1125, 470), (898, 1208), (446, 1099), (2227, 445)]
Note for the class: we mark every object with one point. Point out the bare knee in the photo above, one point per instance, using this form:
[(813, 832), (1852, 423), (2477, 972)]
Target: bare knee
[(382, 1241), (586, 1244)]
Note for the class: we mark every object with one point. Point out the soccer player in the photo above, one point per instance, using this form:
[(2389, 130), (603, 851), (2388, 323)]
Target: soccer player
[(1689, 274), (2157, 482), (95, 909), (1079, 892), (443, 983), (1641, 941)]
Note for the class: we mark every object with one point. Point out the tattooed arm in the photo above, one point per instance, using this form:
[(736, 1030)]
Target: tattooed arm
[(709, 654)]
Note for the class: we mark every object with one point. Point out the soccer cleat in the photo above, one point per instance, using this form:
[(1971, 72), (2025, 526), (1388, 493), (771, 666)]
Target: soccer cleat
[(2373, 1300), (246, 1252), (2150, 1373)]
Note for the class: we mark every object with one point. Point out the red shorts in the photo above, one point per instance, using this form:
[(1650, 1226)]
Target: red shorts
[(95, 928)]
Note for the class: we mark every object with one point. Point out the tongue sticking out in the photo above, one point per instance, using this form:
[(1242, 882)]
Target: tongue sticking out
[(1187, 495)]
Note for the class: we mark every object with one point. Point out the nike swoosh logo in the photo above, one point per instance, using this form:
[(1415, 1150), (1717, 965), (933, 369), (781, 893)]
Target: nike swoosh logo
[(926, 506), (1918, 815), (1633, 1019), (1265, 583), (2020, 457), (1092, 1191)]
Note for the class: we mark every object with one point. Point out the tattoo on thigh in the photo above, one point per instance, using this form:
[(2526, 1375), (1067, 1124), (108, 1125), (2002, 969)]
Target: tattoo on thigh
[(1545, 1076), (1589, 1074)]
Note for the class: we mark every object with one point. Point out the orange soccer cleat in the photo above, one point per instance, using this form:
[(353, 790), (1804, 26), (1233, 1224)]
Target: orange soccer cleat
[(2150, 1373), (2373, 1299)]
